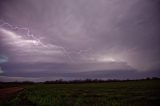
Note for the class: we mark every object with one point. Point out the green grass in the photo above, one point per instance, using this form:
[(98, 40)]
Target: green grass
[(129, 93)]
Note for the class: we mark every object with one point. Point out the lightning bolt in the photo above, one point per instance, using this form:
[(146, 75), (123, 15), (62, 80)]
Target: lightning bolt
[(24, 29), (67, 52), (28, 33)]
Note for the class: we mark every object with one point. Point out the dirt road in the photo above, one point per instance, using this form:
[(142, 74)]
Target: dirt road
[(7, 93)]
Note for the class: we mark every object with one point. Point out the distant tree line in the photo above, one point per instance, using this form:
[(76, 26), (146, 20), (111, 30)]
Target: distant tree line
[(79, 81), (61, 81)]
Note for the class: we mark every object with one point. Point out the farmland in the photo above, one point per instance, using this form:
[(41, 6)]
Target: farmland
[(125, 93)]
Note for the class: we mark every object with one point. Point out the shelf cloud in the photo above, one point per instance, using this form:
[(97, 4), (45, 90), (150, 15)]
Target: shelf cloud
[(76, 36)]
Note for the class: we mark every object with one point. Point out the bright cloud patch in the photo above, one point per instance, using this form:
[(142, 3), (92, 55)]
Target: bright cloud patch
[(1, 71), (3, 59)]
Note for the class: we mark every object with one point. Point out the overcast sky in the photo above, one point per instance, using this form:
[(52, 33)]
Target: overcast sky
[(78, 35)]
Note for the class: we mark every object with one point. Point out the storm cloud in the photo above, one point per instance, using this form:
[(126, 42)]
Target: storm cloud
[(54, 36)]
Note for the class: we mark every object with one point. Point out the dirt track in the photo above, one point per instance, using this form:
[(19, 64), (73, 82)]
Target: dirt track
[(7, 93)]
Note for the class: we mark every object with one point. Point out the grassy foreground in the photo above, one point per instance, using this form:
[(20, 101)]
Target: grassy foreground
[(127, 93)]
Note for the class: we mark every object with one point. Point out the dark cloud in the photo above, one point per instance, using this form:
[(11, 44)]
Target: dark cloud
[(55, 35)]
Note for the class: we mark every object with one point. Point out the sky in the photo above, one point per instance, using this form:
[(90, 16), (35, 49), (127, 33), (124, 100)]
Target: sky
[(39, 38)]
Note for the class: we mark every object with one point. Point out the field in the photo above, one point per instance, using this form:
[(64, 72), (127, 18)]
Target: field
[(126, 93)]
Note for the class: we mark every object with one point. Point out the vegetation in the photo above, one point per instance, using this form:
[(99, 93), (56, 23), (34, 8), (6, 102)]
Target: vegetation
[(116, 93)]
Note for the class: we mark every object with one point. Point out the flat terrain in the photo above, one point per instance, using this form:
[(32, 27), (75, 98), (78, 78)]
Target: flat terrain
[(8, 92), (126, 93)]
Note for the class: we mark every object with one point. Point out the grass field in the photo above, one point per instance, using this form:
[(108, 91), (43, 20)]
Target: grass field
[(127, 93)]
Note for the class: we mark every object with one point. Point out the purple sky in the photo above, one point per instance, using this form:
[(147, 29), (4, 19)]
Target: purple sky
[(60, 36)]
